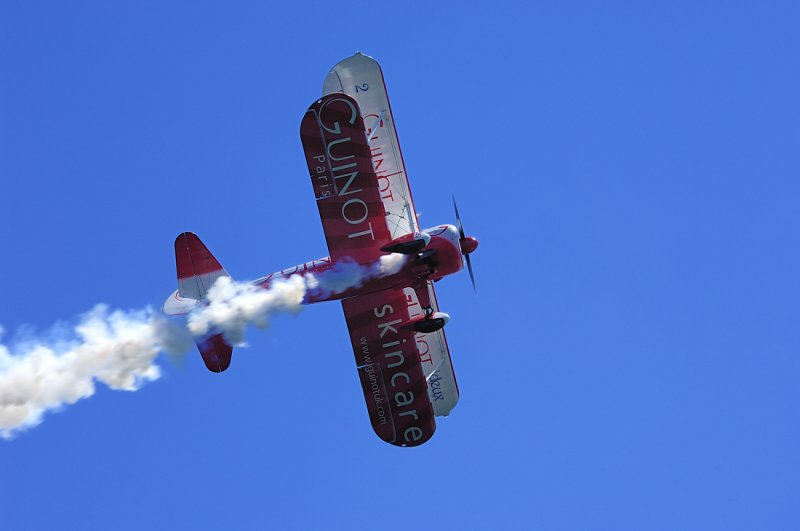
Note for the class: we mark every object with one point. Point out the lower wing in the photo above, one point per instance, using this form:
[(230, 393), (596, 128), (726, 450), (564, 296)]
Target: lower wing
[(434, 356), (389, 367)]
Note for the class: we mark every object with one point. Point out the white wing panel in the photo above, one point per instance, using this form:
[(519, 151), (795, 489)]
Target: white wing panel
[(360, 77), (435, 358)]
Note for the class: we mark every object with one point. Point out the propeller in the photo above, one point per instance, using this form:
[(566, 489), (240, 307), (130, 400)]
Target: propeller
[(468, 244)]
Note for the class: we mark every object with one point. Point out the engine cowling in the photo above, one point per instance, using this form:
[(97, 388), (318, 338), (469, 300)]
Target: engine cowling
[(411, 243)]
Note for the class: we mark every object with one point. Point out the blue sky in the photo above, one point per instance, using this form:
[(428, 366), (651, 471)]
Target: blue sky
[(631, 361)]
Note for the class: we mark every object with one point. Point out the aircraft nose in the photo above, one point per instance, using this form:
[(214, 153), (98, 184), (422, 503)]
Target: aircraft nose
[(468, 244)]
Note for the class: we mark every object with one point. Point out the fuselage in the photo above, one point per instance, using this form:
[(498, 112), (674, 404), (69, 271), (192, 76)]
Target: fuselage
[(440, 257)]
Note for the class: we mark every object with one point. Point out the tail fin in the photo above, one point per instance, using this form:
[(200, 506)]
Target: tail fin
[(197, 267), (197, 272)]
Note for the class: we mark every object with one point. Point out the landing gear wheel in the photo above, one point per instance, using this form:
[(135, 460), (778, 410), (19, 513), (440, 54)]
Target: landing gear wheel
[(428, 326)]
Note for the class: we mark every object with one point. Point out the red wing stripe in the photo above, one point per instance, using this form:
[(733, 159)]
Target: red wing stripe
[(389, 368), (344, 181)]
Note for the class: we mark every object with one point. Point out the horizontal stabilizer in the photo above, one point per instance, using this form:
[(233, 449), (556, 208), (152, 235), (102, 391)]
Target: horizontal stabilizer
[(176, 305), (216, 352)]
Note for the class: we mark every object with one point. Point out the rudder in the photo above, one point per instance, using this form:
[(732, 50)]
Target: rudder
[(196, 267)]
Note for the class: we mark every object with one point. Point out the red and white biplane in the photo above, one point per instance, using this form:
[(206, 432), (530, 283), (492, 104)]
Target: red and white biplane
[(362, 191)]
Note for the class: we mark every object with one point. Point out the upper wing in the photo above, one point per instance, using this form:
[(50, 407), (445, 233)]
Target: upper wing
[(389, 368), (361, 78), (344, 181), (434, 356)]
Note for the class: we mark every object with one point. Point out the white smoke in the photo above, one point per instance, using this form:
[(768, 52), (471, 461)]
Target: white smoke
[(390, 264), (119, 348), (116, 348), (234, 305)]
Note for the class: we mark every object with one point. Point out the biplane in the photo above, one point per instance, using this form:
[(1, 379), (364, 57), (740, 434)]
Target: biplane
[(362, 191)]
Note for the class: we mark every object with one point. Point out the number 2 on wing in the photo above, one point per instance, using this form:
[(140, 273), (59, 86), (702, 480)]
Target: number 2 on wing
[(362, 88)]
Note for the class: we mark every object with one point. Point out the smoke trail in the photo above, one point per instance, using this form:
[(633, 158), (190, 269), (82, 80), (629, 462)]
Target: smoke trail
[(116, 348), (119, 348), (232, 306)]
